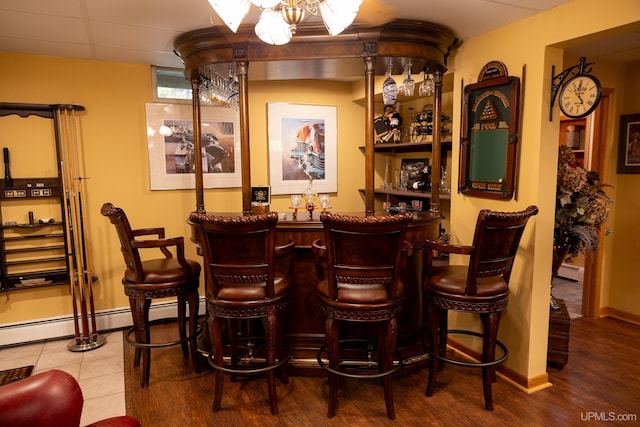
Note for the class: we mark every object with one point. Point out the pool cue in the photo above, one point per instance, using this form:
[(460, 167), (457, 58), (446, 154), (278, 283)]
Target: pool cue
[(60, 131), (81, 218), (77, 256)]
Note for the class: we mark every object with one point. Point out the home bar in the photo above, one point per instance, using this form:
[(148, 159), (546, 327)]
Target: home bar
[(374, 51), (128, 71)]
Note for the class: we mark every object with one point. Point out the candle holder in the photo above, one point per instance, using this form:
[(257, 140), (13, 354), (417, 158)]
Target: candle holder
[(296, 201), (325, 202)]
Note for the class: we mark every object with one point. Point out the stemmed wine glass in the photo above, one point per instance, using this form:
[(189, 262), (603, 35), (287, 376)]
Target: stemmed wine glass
[(409, 84), (389, 88), (426, 87)]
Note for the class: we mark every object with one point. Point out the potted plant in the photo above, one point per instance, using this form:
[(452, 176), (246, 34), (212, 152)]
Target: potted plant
[(582, 208)]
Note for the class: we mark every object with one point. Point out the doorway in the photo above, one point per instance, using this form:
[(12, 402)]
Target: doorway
[(580, 283)]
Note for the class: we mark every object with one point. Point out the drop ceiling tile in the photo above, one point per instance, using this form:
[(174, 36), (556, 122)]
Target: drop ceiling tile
[(118, 35), (45, 48), (40, 7), (178, 15), (42, 27)]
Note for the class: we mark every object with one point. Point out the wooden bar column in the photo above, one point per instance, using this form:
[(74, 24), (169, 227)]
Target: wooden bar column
[(197, 144), (242, 69), (436, 152), (369, 162)]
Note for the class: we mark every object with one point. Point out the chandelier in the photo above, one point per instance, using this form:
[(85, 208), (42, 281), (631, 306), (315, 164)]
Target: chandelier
[(279, 18)]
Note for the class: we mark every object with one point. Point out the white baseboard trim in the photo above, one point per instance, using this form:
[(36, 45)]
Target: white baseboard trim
[(571, 272), (63, 327)]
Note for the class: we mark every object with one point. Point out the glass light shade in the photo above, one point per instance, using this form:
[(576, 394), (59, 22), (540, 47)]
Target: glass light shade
[(232, 12), (265, 4), (338, 14), (272, 29)]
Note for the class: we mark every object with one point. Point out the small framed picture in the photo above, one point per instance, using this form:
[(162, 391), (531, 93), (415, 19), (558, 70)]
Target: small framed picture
[(415, 174), (261, 195), (629, 144)]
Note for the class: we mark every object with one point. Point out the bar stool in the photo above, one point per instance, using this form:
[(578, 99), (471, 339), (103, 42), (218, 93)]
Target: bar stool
[(242, 284), (152, 279), (364, 261), (481, 287)]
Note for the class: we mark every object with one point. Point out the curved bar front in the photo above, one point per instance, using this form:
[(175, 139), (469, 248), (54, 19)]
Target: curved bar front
[(304, 321)]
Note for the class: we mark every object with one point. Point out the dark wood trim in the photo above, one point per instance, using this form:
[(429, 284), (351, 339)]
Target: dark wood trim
[(396, 44)]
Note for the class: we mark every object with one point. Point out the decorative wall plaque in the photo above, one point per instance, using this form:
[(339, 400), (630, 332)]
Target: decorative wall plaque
[(489, 138)]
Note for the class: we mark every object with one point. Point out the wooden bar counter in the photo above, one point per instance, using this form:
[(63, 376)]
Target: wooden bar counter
[(304, 324)]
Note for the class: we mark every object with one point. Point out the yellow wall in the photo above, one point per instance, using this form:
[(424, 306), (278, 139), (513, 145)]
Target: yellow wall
[(623, 294), (524, 48), (116, 159), (116, 162)]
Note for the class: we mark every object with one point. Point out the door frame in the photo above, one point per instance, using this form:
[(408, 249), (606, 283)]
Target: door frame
[(599, 161)]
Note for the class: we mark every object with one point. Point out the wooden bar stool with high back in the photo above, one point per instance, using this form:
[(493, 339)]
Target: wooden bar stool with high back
[(480, 287), (364, 260), (144, 281), (243, 284)]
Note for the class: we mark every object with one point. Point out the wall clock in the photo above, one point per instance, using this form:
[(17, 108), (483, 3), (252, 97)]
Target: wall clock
[(580, 96)]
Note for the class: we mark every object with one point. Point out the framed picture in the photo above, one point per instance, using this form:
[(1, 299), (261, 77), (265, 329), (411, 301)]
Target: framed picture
[(171, 153), (489, 140), (629, 144), (415, 174), (302, 146), (261, 195)]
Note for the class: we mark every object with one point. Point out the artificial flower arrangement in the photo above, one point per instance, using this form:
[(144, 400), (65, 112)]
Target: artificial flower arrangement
[(582, 207)]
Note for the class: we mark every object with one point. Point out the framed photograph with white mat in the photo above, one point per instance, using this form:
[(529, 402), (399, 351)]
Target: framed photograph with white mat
[(171, 149), (302, 146)]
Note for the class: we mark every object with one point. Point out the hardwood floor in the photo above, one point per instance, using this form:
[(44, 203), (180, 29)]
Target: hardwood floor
[(599, 385)]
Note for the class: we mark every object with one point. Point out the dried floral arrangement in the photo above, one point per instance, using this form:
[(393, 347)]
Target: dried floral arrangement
[(582, 206)]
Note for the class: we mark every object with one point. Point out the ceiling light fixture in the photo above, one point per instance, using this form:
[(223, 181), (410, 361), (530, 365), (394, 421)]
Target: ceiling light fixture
[(280, 18)]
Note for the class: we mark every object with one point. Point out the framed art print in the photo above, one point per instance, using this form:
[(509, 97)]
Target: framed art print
[(629, 144), (302, 146), (171, 153)]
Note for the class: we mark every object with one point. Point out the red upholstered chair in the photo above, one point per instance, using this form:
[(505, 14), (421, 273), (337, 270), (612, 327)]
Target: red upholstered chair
[(480, 287), (243, 284), (51, 398), (364, 261), (144, 281)]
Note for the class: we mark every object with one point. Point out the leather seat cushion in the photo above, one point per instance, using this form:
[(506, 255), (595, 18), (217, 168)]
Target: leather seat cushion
[(250, 291), (359, 294), (162, 271), (452, 279)]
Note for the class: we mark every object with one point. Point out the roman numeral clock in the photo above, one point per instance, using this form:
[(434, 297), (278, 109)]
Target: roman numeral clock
[(581, 93)]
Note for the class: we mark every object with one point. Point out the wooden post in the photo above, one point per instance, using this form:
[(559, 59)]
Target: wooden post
[(197, 144), (369, 81), (436, 152)]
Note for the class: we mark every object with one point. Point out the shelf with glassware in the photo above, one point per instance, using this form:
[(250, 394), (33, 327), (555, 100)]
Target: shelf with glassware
[(407, 180), (404, 137)]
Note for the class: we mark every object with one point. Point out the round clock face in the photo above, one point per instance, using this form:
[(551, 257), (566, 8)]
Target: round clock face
[(580, 96)]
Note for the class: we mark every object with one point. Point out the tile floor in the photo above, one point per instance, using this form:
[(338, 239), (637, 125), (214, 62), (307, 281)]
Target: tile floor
[(571, 292), (100, 372)]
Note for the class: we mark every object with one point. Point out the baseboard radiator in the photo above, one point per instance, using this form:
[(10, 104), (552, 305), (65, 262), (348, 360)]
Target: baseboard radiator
[(63, 327)]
